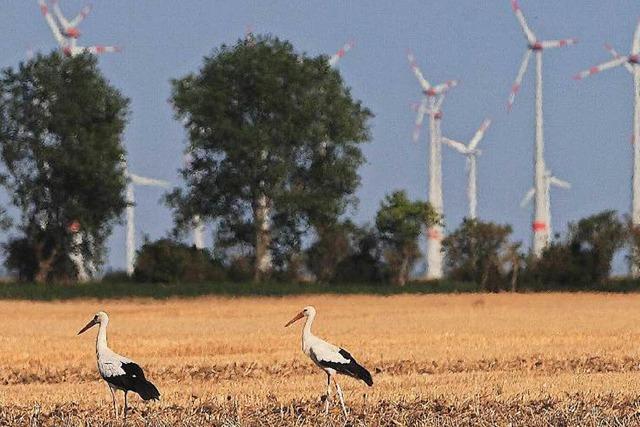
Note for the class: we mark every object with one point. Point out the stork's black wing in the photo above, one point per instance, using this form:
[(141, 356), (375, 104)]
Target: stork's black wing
[(350, 367), (133, 379)]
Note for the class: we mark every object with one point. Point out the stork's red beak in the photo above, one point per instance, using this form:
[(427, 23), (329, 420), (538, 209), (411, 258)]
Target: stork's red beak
[(298, 317), (88, 325)]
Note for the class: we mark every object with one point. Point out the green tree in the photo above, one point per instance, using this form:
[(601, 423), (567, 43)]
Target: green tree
[(596, 239), (633, 237), (584, 257), (332, 245), (274, 137), (477, 251), (365, 261), (345, 252), (399, 222), (61, 124)]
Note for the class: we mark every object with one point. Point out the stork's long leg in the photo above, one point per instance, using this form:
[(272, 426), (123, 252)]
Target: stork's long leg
[(113, 396), (125, 404), (339, 390), (326, 402)]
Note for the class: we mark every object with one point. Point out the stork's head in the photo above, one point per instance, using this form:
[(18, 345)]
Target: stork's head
[(99, 318), (308, 311)]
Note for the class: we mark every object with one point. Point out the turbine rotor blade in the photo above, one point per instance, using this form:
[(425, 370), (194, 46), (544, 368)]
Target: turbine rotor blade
[(458, 146), (559, 183), (44, 9), (443, 87), (416, 71), (342, 52), (518, 83), (601, 67), (479, 134), (422, 110), (635, 47), (150, 182), (552, 44), (527, 198), (59, 15), (531, 38), (616, 55), (84, 12), (99, 49)]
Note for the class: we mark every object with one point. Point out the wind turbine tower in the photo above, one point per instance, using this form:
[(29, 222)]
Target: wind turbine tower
[(540, 225), (632, 63), (431, 104)]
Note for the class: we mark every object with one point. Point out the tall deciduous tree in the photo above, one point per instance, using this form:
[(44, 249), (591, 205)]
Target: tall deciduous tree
[(399, 222), (61, 124), (274, 136)]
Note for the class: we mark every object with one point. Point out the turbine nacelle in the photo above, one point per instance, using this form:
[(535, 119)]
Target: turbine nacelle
[(72, 32), (536, 46)]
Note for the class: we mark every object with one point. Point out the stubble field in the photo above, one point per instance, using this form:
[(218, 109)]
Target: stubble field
[(552, 359)]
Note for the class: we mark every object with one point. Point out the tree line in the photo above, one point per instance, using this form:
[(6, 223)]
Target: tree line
[(274, 147), (388, 252)]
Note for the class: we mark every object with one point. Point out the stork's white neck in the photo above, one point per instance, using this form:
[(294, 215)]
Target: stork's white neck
[(101, 339), (306, 331)]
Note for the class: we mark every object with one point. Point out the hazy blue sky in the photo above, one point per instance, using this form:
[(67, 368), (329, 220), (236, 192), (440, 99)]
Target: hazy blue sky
[(588, 124)]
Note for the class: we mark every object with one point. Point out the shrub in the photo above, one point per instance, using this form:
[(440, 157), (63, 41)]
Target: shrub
[(168, 261), (477, 251)]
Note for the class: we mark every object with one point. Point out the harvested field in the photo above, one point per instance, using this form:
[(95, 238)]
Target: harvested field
[(563, 359)]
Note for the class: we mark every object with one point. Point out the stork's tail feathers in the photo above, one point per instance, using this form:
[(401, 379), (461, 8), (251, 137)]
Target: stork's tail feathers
[(146, 390), (362, 373)]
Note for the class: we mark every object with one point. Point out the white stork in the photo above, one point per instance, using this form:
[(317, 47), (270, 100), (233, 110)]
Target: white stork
[(119, 372), (329, 358)]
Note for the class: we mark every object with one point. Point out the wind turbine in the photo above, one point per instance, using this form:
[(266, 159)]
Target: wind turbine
[(431, 104), (549, 180), (135, 180), (632, 63), (68, 40), (540, 225), (471, 152)]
